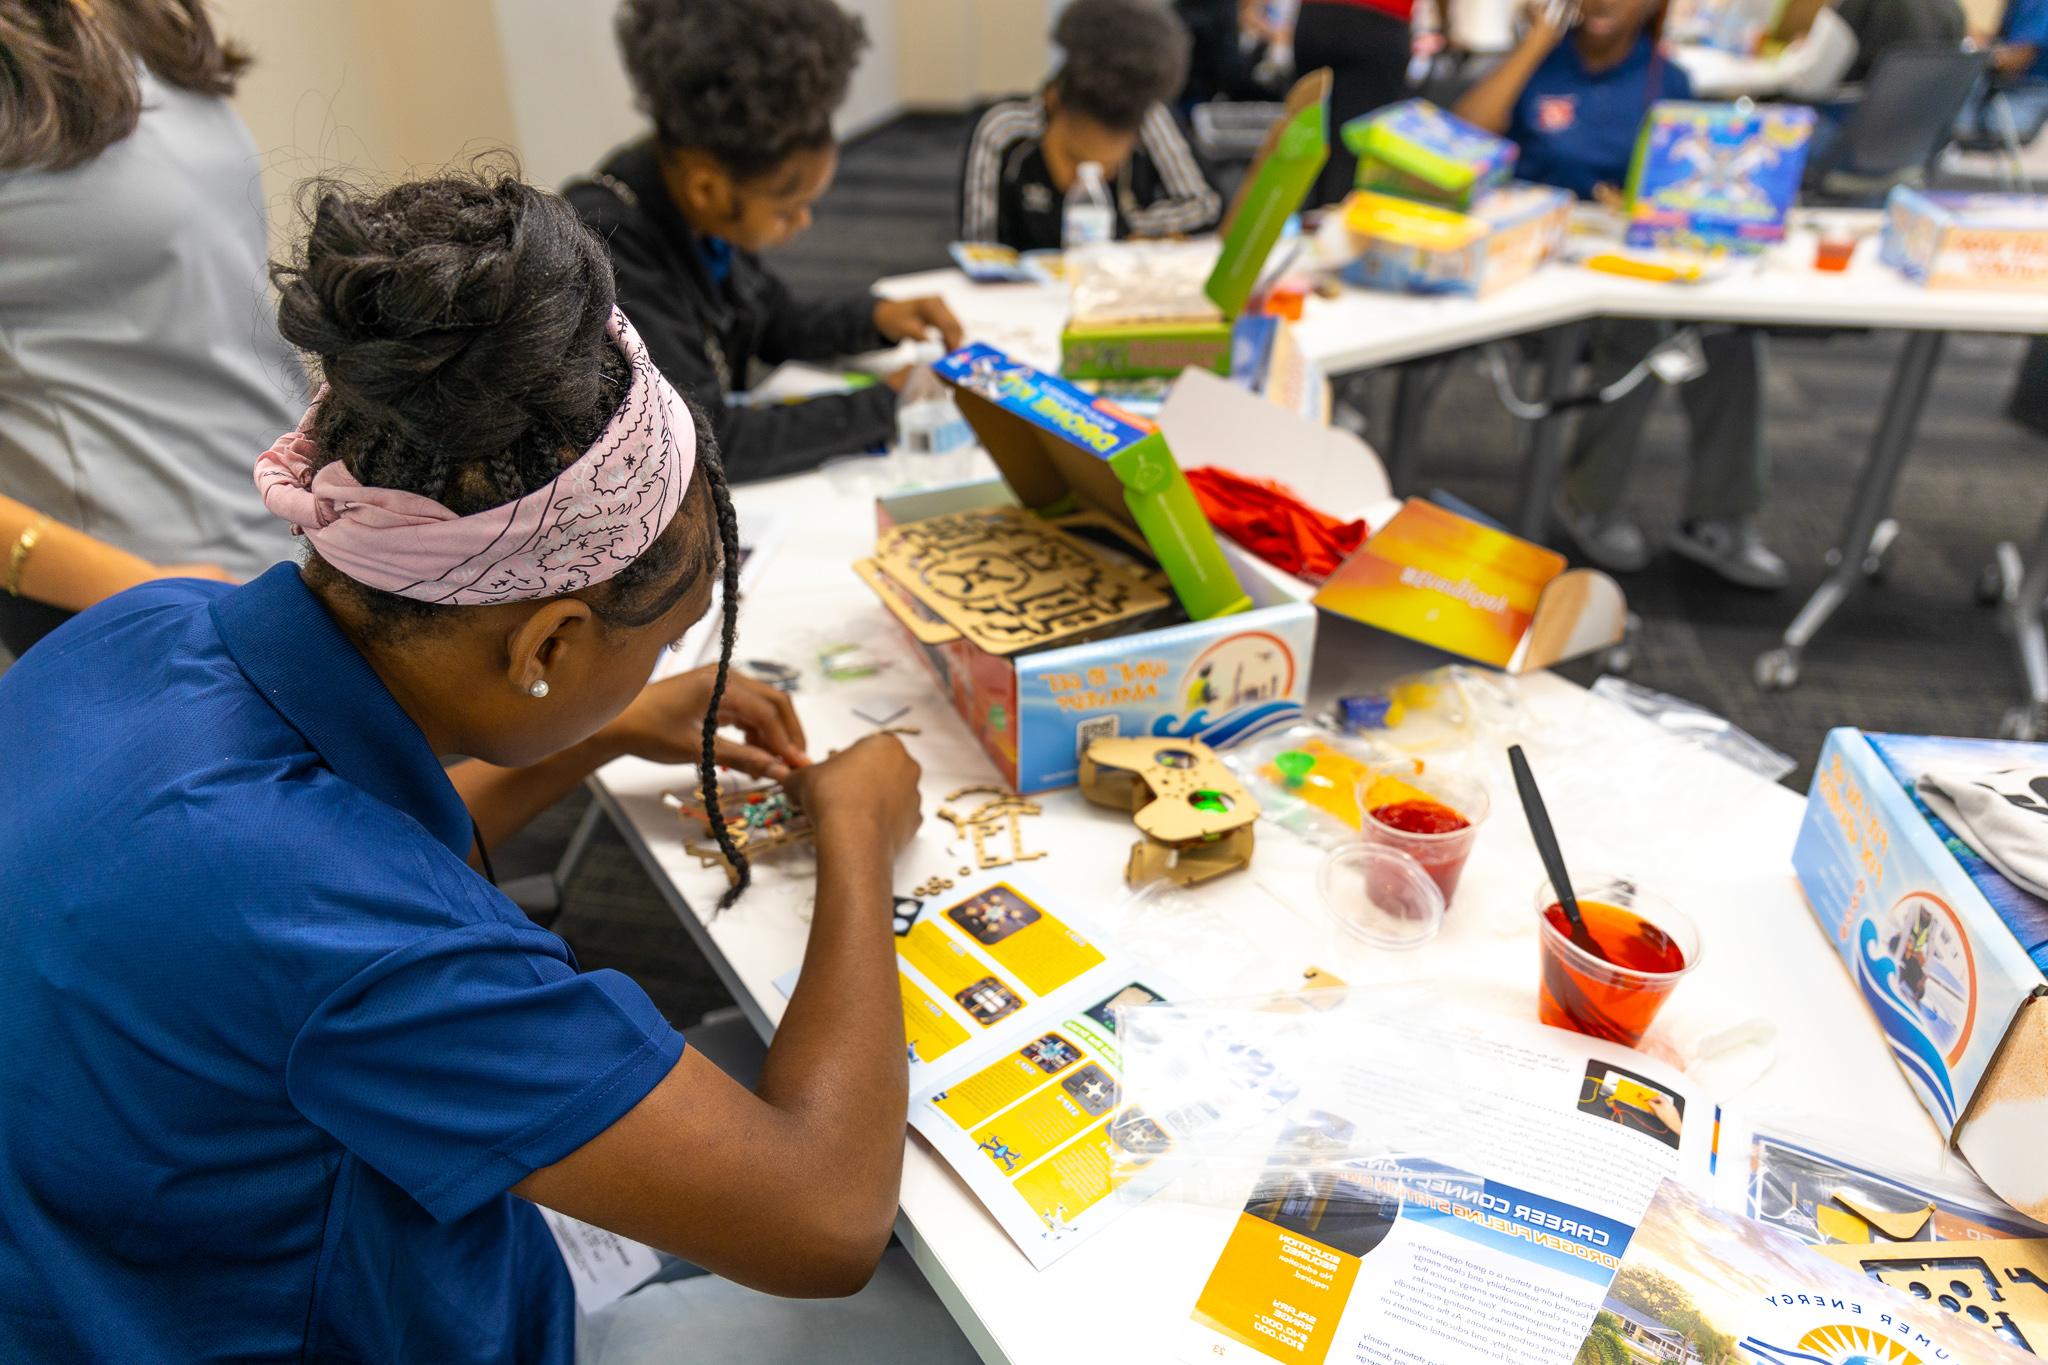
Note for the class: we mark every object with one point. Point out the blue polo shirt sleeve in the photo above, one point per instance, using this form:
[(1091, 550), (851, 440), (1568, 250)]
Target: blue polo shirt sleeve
[(462, 1061)]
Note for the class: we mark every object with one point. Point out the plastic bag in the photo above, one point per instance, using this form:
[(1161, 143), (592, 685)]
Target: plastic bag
[(1697, 726), (1265, 1090), (1444, 708)]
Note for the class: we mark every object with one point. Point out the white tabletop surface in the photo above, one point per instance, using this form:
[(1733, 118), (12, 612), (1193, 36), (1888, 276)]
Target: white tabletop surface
[(1715, 838), (1361, 328)]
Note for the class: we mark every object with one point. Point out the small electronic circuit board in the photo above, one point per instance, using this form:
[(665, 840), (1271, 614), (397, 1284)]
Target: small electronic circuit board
[(760, 820)]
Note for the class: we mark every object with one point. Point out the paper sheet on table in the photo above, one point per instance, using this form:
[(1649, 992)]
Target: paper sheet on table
[(1009, 1007), (1501, 1251), (603, 1266)]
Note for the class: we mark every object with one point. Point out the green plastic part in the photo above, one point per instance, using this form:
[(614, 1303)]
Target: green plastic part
[(1294, 766)]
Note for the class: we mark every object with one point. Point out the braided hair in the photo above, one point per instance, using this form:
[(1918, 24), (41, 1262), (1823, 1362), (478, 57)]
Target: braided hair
[(728, 628), (459, 324)]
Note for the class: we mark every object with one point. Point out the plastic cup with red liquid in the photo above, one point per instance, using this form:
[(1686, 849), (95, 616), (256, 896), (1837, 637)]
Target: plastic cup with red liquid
[(1435, 826), (1645, 947)]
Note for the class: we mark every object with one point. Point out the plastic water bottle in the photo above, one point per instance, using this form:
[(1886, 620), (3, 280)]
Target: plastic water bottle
[(1089, 219)]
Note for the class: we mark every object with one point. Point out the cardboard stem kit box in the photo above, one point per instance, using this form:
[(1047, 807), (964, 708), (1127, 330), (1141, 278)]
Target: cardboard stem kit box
[(1716, 177), (1932, 937), (1413, 248), (1414, 150), (1425, 573), (1967, 241), (1160, 325), (1042, 653)]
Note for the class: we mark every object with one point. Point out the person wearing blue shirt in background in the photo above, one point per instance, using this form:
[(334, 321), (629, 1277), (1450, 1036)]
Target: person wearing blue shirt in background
[(285, 1074), (2019, 73), (1573, 100)]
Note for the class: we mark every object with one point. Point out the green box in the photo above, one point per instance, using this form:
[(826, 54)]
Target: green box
[(1294, 151), (1414, 150), (1057, 446)]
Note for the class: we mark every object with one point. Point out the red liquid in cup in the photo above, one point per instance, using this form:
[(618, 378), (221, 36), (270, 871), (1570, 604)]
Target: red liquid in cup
[(1833, 253), (1601, 1002), (1444, 862)]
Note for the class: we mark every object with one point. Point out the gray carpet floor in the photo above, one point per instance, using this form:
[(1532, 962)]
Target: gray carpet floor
[(1914, 654)]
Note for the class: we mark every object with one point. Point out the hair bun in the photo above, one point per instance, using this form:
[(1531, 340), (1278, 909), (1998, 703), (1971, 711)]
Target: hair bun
[(452, 317)]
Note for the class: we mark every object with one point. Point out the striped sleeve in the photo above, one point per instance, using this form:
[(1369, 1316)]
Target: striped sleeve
[(981, 181), (1190, 203)]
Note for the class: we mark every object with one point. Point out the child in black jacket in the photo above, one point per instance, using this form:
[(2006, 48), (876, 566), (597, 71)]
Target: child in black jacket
[(742, 94), (1122, 60)]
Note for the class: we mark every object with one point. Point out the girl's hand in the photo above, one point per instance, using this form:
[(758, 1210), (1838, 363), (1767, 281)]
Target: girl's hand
[(665, 724), (1545, 22), (875, 780)]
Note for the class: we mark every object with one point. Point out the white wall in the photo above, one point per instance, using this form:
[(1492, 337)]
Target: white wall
[(379, 88), (571, 101), (955, 53)]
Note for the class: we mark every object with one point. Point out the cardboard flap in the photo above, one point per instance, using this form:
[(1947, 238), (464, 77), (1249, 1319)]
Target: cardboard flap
[(1580, 610), (1210, 421), (2001, 1133), (1287, 164)]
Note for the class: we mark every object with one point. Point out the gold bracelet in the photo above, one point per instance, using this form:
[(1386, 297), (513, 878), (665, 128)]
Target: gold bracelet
[(23, 544)]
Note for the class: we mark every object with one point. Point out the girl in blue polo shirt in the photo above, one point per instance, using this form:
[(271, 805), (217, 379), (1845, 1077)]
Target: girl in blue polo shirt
[(1573, 100), (284, 1075)]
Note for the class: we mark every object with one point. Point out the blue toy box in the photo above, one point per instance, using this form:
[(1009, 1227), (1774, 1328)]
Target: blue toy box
[(1716, 177), (1967, 241), (1933, 942)]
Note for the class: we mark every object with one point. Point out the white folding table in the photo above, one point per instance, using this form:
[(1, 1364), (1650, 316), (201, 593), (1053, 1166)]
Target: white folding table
[(1624, 795), (1361, 330)]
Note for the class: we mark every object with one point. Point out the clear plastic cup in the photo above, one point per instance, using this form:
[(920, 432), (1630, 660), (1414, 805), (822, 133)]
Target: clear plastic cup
[(1381, 895), (1646, 945), (1411, 826)]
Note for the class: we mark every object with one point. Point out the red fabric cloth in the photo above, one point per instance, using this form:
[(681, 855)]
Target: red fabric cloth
[(1267, 519), (1404, 10)]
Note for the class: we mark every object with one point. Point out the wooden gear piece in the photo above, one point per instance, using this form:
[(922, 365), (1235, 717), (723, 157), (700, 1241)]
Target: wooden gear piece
[(1196, 817), (759, 821), (1004, 580)]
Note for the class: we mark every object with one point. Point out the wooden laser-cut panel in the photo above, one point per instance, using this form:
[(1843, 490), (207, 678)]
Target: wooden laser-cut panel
[(1008, 581)]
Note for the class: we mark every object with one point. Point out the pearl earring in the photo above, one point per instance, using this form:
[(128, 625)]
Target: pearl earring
[(539, 689)]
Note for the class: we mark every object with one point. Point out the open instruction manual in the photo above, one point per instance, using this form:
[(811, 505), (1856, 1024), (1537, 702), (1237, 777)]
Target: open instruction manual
[(1504, 1170), (1009, 1011)]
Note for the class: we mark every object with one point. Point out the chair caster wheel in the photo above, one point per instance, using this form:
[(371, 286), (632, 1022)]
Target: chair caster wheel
[(1776, 670)]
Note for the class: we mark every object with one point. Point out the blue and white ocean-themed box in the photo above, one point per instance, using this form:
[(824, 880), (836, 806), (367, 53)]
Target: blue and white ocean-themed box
[(1220, 681), (1934, 946)]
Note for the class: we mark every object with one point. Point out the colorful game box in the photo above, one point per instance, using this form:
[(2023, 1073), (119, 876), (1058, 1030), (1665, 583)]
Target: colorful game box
[(1058, 448), (1199, 334), (1416, 248), (1469, 589), (1716, 177), (1962, 1004), (1967, 241), (1414, 150), (1240, 667)]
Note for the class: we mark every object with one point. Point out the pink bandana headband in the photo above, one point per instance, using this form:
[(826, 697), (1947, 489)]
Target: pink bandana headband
[(592, 520)]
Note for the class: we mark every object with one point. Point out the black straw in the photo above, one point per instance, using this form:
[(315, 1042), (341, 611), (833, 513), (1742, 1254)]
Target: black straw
[(1546, 843)]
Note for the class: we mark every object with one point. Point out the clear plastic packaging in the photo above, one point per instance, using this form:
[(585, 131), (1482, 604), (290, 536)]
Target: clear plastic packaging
[(1441, 709), (1697, 726), (1306, 778), (1793, 1182), (1265, 1089)]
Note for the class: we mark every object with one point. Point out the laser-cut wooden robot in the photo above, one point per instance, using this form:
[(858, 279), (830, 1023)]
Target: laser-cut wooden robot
[(1196, 817)]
